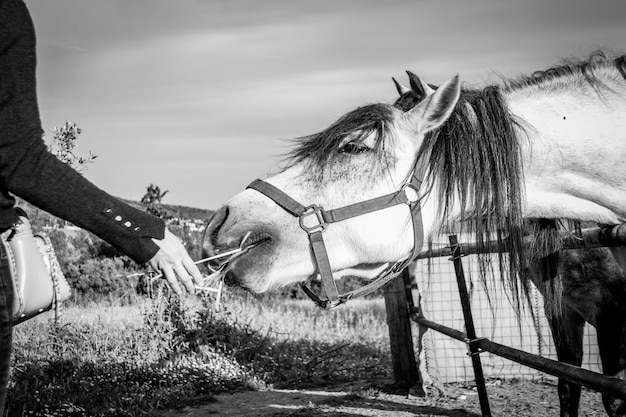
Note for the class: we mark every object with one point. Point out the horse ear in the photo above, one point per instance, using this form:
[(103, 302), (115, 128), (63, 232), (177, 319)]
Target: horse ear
[(402, 89), (436, 108), (419, 86)]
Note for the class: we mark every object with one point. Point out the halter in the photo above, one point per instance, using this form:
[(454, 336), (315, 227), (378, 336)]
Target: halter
[(314, 221)]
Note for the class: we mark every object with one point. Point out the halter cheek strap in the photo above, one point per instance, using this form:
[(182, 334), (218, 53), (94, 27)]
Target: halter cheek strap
[(314, 221), (313, 228)]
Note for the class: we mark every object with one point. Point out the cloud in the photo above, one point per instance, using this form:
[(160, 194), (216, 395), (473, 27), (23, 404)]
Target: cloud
[(199, 94)]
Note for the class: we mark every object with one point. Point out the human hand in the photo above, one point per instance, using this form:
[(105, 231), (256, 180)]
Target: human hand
[(172, 260)]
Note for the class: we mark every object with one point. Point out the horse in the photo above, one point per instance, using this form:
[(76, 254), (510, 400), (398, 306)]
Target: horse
[(381, 181)]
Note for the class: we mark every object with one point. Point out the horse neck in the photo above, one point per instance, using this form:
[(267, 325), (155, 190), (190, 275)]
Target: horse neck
[(435, 226), (573, 143)]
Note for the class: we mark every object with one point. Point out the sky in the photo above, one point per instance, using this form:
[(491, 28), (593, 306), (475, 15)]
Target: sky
[(200, 97)]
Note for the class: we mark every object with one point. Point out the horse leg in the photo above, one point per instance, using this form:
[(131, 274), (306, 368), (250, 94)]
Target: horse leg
[(566, 323), (567, 333), (619, 253), (611, 328)]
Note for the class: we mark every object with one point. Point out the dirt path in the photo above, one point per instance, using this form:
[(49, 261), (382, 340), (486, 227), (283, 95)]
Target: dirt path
[(510, 399), (278, 403)]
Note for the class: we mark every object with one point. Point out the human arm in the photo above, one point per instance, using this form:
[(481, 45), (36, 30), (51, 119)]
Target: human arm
[(29, 171)]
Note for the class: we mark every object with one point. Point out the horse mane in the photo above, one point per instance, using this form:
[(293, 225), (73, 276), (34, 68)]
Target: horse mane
[(475, 166), (580, 72), (320, 148)]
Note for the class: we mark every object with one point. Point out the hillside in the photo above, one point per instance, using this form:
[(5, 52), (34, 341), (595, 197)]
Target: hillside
[(180, 212)]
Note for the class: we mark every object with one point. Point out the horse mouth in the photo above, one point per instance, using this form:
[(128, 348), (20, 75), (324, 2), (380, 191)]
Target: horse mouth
[(256, 238), (249, 243)]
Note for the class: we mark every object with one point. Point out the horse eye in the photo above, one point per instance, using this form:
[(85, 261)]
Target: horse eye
[(354, 148)]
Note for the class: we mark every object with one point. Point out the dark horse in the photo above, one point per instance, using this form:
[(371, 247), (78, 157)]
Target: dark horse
[(584, 286), (532, 150)]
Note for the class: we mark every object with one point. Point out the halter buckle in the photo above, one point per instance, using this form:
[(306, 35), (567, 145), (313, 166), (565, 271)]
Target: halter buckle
[(321, 224)]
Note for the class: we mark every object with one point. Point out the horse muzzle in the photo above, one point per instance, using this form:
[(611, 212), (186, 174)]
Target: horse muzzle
[(224, 233)]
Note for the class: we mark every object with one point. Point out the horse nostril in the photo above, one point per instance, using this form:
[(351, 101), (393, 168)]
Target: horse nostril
[(209, 237), (216, 222)]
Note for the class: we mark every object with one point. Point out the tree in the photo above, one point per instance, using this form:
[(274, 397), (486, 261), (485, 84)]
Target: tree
[(152, 201), (63, 143)]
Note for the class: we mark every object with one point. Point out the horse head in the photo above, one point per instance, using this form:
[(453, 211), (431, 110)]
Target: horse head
[(368, 153)]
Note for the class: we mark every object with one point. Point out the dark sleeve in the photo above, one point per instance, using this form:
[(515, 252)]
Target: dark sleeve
[(29, 171)]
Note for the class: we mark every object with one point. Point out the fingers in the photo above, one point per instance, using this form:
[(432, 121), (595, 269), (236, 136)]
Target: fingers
[(184, 277), (176, 271), (193, 270), (175, 263), (170, 276)]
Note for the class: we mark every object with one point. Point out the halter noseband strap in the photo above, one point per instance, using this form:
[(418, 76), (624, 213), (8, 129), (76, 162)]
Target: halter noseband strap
[(314, 220)]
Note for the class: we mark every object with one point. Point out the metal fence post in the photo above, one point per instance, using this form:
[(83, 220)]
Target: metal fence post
[(469, 326)]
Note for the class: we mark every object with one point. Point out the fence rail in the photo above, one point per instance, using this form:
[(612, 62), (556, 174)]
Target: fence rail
[(594, 237), (613, 386)]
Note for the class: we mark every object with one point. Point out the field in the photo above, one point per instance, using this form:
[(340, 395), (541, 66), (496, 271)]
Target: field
[(164, 356), (113, 360)]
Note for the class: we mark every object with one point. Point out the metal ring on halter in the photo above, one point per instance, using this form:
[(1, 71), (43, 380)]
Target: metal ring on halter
[(318, 212), (412, 194)]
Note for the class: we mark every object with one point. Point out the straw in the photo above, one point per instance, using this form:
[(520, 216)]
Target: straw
[(215, 279)]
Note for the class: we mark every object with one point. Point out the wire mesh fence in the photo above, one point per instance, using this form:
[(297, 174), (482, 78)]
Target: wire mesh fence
[(444, 360)]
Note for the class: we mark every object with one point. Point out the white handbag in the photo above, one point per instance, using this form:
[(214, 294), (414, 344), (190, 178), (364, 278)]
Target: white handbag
[(38, 282)]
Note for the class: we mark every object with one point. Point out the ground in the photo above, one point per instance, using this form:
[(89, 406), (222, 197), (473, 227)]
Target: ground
[(511, 399)]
